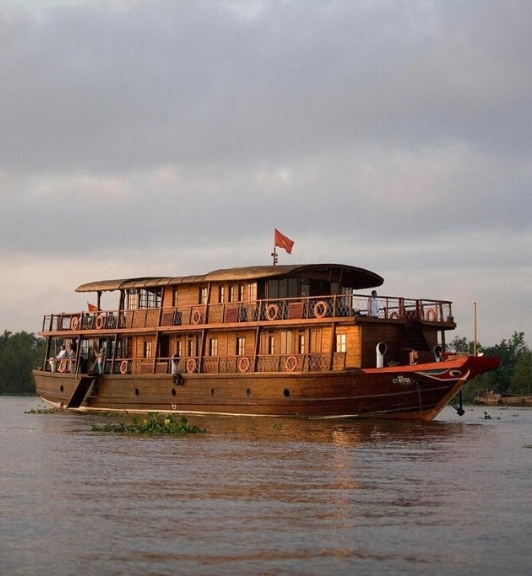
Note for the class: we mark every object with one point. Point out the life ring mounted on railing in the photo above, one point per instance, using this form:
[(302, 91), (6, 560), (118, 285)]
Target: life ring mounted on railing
[(74, 323), (100, 322), (272, 312), (196, 316), (191, 365), (123, 367), (320, 309), (290, 363), (244, 364), (62, 366), (394, 316), (430, 315)]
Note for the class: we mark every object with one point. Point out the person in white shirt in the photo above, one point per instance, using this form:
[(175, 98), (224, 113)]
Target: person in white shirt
[(374, 305)]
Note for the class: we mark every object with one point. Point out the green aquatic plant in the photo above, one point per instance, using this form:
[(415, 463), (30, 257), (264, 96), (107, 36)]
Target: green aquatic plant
[(155, 423), (43, 411)]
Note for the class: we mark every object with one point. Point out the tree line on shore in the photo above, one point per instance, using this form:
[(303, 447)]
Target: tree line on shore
[(514, 376), (21, 352)]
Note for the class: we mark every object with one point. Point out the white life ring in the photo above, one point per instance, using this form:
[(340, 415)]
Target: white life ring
[(290, 363), (320, 309), (243, 364), (272, 312)]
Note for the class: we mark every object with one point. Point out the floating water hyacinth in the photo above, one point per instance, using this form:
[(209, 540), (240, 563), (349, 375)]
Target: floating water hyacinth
[(155, 423)]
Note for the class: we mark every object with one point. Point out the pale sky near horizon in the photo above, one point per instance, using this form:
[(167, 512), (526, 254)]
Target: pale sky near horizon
[(170, 137)]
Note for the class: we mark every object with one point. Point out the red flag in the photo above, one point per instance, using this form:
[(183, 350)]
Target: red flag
[(92, 307), (283, 241)]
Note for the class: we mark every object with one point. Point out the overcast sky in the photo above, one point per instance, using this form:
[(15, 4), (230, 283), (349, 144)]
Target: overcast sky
[(170, 137)]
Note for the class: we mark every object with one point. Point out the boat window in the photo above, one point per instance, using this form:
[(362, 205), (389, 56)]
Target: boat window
[(231, 293), (240, 346), (132, 299), (213, 347), (284, 288), (190, 347), (203, 295), (271, 344), (240, 292), (174, 296), (144, 298), (341, 342), (221, 294), (148, 344), (179, 347), (301, 343), (252, 291), (286, 343)]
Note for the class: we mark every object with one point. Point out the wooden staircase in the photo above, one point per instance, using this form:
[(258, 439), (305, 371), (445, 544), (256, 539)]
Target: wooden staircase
[(416, 337), (81, 391)]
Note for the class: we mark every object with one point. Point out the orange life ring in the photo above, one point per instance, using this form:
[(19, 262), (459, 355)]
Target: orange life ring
[(100, 321), (272, 312), (62, 366), (290, 363), (394, 316), (191, 365), (243, 364), (74, 323), (320, 305), (430, 315), (123, 367), (196, 316)]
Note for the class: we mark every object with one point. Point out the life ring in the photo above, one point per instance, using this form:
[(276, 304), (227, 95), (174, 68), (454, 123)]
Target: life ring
[(243, 364), (196, 316), (123, 367), (430, 315), (62, 366), (394, 316), (74, 323), (272, 312), (100, 321), (290, 363), (320, 309), (191, 365)]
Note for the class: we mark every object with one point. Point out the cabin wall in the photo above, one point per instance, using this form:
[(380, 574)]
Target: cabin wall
[(392, 335), (354, 345)]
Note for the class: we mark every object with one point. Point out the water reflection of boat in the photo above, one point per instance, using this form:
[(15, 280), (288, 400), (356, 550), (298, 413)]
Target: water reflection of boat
[(292, 340), (491, 398)]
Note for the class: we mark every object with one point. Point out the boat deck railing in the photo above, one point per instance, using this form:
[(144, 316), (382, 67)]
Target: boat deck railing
[(213, 364), (356, 307)]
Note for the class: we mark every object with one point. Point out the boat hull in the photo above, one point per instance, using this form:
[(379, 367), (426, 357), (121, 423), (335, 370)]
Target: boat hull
[(402, 392)]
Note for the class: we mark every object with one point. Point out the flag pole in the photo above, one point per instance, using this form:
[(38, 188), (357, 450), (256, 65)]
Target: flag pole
[(274, 256)]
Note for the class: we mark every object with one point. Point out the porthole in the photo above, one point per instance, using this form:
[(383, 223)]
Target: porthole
[(212, 392), (173, 392), (286, 393), (137, 391), (248, 392), (61, 388)]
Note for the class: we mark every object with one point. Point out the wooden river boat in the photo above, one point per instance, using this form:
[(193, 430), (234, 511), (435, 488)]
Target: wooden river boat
[(281, 340)]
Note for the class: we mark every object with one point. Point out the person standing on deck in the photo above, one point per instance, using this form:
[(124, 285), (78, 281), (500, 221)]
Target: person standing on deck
[(374, 305), (101, 357)]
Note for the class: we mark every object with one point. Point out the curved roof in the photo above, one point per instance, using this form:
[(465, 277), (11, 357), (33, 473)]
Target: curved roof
[(357, 278)]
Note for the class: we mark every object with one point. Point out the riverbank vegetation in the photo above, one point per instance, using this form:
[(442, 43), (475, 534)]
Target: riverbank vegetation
[(514, 375), (21, 352)]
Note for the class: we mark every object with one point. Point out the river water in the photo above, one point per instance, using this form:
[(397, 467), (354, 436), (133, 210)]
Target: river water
[(267, 496)]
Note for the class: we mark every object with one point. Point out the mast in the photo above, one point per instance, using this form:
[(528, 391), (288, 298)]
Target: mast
[(474, 329)]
